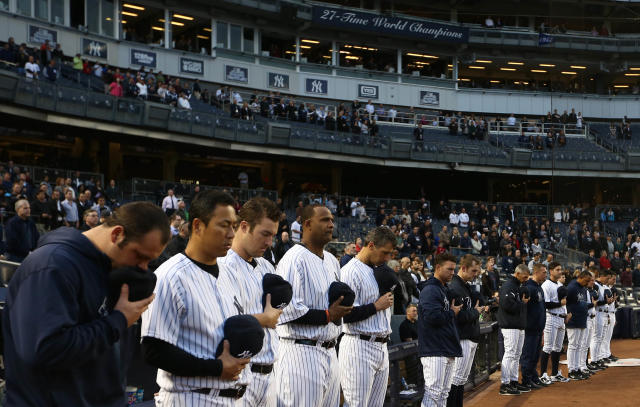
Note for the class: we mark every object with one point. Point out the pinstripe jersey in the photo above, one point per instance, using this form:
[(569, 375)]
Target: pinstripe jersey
[(236, 274), (188, 312), (601, 297), (550, 290), (310, 277), (360, 278)]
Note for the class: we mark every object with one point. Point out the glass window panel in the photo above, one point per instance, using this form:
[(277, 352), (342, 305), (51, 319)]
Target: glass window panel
[(221, 34), (93, 17), (191, 33), (107, 17), (4, 5), (57, 11), (248, 40), (236, 38), (24, 7), (41, 9), (142, 23)]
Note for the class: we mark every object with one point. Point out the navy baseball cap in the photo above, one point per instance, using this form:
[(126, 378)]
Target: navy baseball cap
[(338, 289), (279, 288), (245, 336), (562, 292), (141, 284), (386, 278)]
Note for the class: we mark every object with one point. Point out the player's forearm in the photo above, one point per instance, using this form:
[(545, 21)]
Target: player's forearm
[(174, 360), (313, 317), (552, 305), (360, 313)]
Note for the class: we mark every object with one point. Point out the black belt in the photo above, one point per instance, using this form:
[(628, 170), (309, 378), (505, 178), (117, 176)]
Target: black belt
[(592, 316), (558, 315), (381, 339), (311, 342), (262, 369), (230, 393)]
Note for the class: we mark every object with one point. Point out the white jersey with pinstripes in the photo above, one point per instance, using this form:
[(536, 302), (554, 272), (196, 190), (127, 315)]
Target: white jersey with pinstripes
[(188, 312), (239, 275), (550, 290), (310, 277), (362, 281)]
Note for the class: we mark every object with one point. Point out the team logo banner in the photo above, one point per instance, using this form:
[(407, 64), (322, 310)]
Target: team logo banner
[(192, 66), (39, 35), (93, 48), (317, 86), (429, 98), (236, 74), (143, 58), (368, 91), (382, 24), (278, 80)]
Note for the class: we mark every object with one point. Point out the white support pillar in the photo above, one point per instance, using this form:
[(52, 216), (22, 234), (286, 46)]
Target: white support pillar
[(454, 74), (297, 48), (335, 53), (167, 27), (257, 42), (399, 61), (116, 19)]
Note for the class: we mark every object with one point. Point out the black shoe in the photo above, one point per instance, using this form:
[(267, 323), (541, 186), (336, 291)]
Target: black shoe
[(613, 358), (594, 367), (539, 383), (520, 387), (602, 364), (576, 375), (532, 385), (507, 390), (586, 373)]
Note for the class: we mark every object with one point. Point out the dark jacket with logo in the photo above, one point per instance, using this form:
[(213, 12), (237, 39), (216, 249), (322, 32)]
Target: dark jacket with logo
[(512, 313), (60, 341), (536, 314), (437, 332), (468, 319), (577, 305)]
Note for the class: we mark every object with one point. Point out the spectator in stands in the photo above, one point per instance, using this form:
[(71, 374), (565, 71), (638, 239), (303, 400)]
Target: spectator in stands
[(636, 276), (90, 220), (21, 233), (296, 230), (418, 137), (51, 71), (511, 123), (488, 22), (70, 207), (509, 262), (6, 54), (142, 89), (349, 253), (392, 114), (115, 88), (183, 101), (408, 329), (174, 223), (169, 203), (39, 210), (31, 68), (101, 207), (490, 280)]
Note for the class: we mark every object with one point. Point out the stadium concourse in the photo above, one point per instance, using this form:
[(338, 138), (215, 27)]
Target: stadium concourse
[(613, 387)]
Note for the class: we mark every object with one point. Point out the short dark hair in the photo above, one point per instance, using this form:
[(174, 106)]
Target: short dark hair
[(255, 209), (87, 212), (468, 259), (553, 265), (206, 202), (443, 258), (585, 273), (380, 236), (137, 219), (308, 212)]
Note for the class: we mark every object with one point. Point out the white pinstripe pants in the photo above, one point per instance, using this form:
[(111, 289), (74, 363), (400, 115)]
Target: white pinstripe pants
[(553, 334), (606, 343), (513, 341), (191, 399), (597, 338), (584, 345), (260, 391), (306, 376), (575, 337), (462, 366), (438, 373), (364, 371)]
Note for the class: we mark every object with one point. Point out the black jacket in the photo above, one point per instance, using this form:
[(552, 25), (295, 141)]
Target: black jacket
[(577, 305), (512, 313), (536, 313), (437, 333), (468, 320)]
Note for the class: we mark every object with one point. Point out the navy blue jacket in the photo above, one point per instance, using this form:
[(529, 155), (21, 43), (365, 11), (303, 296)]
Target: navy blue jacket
[(536, 315), (512, 313), (22, 237), (60, 342), (468, 319), (437, 333), (577, 305)]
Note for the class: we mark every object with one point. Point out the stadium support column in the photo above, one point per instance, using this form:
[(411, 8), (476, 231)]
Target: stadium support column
[(116, 19), (214, 37), (167, 27), (336, 179), (297, 48), (399, 62), (335, 60), (454, 72), (257, 41)]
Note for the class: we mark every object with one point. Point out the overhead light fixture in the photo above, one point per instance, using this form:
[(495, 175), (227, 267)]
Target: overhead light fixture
[(568, 73), (123, 21), (345, 52), (352, 57), (483, 61), (450, 65), (507, 69), (620, 86), (548, 65), (326, 56), (413, 54), (128, 13), (133, 7), (289, 52), (311, 41), (630, 74), (183, 17), (161, 20), (178, 23), (634, 69), (157, 28), (464, 79), (515, 63), (202, 37), (108, 18), (494, 81), (475, 67), (578, 67), (207, 30), (538, 71), (305, 46)]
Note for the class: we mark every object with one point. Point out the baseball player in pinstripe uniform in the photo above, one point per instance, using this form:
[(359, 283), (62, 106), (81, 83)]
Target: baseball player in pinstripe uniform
[(554, 329), (306, 371), (585, 367), (576, 327), (611, 309), (242, 270), (438, 340), (512, 319), (602, 320), (468, 324), (363, 358), (182, 329)]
